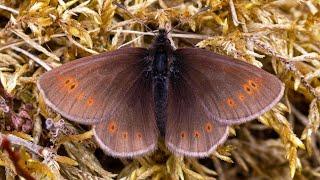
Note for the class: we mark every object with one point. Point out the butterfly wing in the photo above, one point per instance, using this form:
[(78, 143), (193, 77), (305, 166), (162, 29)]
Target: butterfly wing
[(189, 130), (89, 89), (113, 89), (207, 92), (231, 91), (131, 130)]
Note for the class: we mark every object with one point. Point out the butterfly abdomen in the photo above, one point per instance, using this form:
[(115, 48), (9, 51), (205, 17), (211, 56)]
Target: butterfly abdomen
[(160, 89)]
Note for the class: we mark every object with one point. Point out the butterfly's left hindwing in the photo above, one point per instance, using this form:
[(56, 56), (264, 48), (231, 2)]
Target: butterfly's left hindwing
[(131, 130)]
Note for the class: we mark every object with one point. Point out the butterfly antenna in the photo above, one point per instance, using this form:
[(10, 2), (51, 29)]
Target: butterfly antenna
[(193, 16), (130, 14)]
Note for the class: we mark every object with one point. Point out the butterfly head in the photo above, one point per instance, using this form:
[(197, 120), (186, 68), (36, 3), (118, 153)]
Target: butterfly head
[(161, 42), (162, 38)]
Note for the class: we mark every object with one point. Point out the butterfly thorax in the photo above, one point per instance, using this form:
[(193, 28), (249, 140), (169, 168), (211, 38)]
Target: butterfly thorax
[(161, 52)]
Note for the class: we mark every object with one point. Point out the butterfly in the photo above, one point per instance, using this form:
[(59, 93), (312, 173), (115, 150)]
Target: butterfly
[(133, 96)]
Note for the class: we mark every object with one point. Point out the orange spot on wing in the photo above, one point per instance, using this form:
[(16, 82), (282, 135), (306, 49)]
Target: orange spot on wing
[(139, 136), (90, 101), (80, 96), (253, 84), (70, 83), (208, 127), (196, 134), (241, 97), (231, 102), (112, 127), (67, 81), (125, 135), (183, 134), (247, 88), (72, 86)]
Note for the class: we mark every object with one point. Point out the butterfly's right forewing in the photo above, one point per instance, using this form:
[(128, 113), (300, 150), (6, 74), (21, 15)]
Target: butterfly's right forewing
[(231, 91)]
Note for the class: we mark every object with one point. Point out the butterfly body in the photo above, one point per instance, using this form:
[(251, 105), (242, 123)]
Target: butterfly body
[(189, 96), (161, 55)]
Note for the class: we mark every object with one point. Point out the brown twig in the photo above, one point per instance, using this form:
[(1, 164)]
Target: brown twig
[(15, 158)]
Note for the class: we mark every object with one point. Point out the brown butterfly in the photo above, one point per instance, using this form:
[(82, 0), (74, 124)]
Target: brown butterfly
[(132, 96)]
